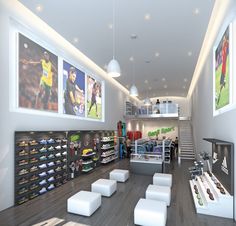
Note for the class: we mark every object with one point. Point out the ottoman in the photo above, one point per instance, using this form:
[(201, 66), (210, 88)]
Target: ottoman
[(160, 193), (119, 175), (162, 179), (150, 213), (84, 203), (104, 186)]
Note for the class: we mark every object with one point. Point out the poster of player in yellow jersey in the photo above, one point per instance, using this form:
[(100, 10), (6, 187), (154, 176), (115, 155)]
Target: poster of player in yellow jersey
[(38, 76)]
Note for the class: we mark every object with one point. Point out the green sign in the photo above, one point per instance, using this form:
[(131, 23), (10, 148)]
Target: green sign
[(74, 137), (161, 131)]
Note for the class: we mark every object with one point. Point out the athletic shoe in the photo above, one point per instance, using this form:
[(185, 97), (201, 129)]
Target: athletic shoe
[(42, 182), (23, 144), (51, 156), (58, 140), (64, 160), (58, 184), (58, 154), (64, 140), (43, 166), (22, 162), (64, 167), (23, 171), (51, 179), (23, 181), (42, 158), (33, 168), (58, 169), (43, 174), (22, 191), (51, 148), (58, 162), (43, 141), (22, 153), (43, 150), (33, 160), (51, 141), (33, 195), (64, 153), (22, 200), (51, 186), (43, 190), (58, 147), (34, 177), (51, 171), (51, 164), (64, 174), (64, 146), (33, 186), (34, 151), (33, 142), (58, 176)]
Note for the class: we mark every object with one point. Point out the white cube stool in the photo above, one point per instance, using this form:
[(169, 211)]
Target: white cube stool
[(150, 213), (162, 179), (160, 193), (84, 203), (104, 186), (119, 175)]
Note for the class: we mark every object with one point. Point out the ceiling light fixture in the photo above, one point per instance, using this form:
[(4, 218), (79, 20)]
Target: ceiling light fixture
[(185, 80), (157, 54), (196, 11), (75, 40), (147, 17), (163, 79), (190, 53), (146, 81), (39, 8), (113, 68)]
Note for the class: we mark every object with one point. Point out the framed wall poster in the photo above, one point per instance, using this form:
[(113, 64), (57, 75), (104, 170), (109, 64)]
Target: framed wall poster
[(73, 90), (94, 98), (37, 76), (222, 80)]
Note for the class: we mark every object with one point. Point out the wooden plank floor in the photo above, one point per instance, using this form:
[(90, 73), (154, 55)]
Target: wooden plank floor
[(50, 209)]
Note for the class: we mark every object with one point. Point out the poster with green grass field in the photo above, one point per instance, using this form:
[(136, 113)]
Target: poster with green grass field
[(94, 98), (222, 76)]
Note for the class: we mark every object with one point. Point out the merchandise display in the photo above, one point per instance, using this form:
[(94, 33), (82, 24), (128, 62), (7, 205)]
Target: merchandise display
[(36, 170)]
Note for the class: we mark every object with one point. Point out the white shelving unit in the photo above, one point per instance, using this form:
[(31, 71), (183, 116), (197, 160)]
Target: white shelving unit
[(108, 150), (221, 206)]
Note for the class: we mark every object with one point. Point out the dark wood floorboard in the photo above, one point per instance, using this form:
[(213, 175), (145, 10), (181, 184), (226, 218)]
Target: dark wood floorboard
[(50, 209)]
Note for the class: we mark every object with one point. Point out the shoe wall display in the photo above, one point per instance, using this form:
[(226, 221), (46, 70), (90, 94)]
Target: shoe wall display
[(41, 163)]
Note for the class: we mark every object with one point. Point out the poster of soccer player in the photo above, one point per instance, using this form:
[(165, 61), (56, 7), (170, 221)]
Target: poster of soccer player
[(222, 72), (73, 90), (94, 98), (38, 76)]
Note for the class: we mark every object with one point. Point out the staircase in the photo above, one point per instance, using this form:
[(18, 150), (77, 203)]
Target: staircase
[(186, 149)]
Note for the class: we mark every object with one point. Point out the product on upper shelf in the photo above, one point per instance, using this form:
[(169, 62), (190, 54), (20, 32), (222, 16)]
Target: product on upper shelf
[(58, 162), (64, 146), (42, 158), (23, 181), (33, 151), (58, 147), (43, 141), (58, 169), (33, 186), (51, 186), (51, 141), (43, 190), (43, 174), (22, 200), (23, 171), (33, 160), (34, 177), (33, 142), (51, 156), (22, 191), (33, 195), (58, 140), (43, 150), (64, 140), (51, 179), (22, 162), (58, 176), (64, 167), (58, 154), (88, 151), (43, 166), (51, 164), (64, 160), (64, 153), (51, 171), (23, 143), (33, 168), (51, 148), (23, 152), (42, 182), (58, 184)]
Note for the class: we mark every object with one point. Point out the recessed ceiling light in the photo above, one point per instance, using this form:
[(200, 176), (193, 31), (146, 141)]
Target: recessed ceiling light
[(190, 53), (75, 40), (131, 58), (110, 26), (163, 79), (196, 11), (165, 86), (185, 80), (157, 54), (146, 81), (39, 8), (133, 36), (184, 87), (147, 16)]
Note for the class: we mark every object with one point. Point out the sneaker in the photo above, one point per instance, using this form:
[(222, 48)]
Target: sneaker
[(33, 186), (42, 182), (23, 181), (33, 142), (58, 154), (51, 156), (43, 157), (33, 160), (43, 141), (51, 141), (58, 162), (43, 174), (51, 171), (58, 147), (51, 164), (22, 200), (22, 153), (51, 186), (64, 153), (58, 140), (64, 140), (34, 151), (23, 171), (64, 160), (51, 179), (34, 177), (51, 148), (64, 146), (43, 150), (58, 169), (23, 144), (22, 191), (58, 184), (33, 195), (58, 176), (43, 190), (33, 168), (64, 167), (43, 166), (22, 162)]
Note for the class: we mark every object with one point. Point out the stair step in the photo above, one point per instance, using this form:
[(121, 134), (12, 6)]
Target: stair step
[(187, 158)]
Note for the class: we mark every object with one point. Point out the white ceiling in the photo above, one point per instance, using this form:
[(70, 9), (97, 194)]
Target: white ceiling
[(174, 29)]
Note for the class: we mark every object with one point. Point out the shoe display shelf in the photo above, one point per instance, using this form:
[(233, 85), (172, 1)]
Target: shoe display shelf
[(87, 160), (40, 163), (108, 152), (210, 197)]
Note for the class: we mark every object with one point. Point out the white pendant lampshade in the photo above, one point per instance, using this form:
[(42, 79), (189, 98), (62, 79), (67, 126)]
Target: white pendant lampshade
[(133, 91), (147, 102), (113, 68)]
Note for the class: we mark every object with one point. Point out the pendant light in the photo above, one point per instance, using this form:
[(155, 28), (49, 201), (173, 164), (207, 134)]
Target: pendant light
[(113, 68)]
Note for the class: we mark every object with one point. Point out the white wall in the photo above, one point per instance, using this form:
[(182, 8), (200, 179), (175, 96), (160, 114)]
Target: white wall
[(11, 121), (204, 124)]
